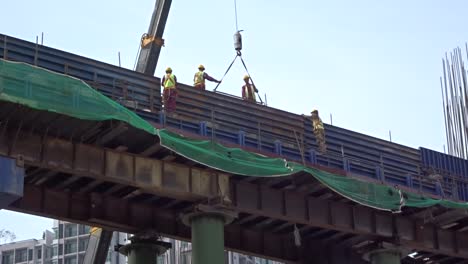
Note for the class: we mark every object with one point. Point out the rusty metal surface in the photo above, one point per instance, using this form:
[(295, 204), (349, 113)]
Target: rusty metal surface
[(151, 175), (349, 218), (127, 216), (175, 185)]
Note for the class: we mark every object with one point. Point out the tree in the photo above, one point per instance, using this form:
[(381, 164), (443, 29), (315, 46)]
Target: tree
[(6, 236)]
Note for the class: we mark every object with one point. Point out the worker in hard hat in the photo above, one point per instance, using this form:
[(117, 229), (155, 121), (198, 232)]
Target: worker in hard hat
[(169, 82), (319, 131), (248, 90), (200, 77)]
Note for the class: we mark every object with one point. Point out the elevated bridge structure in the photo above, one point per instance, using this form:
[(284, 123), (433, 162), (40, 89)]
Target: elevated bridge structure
[(109, 174)]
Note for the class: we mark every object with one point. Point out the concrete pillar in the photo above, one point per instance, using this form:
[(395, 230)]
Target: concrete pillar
[(207, 225), (144, 251), (385, 256)]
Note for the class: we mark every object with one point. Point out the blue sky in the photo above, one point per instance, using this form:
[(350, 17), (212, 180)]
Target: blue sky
[(373, 65)]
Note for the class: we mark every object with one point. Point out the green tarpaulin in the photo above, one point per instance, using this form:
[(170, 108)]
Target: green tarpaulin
[(238, 161), (45, 90)]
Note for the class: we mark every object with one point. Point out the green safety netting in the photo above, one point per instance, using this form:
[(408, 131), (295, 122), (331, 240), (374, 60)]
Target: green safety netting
[(45, 90), (233, 160), (238, 161)]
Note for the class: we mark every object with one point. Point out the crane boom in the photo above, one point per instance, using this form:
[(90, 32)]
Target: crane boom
[(152, 41), (151, 44)]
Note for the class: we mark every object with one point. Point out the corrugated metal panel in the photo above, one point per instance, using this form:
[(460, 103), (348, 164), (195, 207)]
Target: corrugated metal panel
[(226, 116), (444, 163), (115, 82)]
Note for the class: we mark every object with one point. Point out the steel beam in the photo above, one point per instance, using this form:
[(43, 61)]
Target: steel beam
[(354, 219), (179, 181), (122, 215), (164, 178)]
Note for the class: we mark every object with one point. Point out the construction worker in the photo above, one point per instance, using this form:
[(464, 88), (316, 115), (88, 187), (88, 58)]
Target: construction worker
[(169, 82), (200, 77), (319, 131), (249, 90)]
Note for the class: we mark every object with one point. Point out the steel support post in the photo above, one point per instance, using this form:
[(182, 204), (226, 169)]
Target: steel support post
[(207, 239), (207, 224), (385, 256), (144, 251)]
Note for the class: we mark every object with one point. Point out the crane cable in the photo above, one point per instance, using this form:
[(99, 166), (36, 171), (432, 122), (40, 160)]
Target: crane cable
[(235, 14), (238, 54), (230, 65)]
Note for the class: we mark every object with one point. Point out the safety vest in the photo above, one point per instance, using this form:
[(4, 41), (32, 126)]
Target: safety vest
[(169, 82), (199, 78), (317, 124)]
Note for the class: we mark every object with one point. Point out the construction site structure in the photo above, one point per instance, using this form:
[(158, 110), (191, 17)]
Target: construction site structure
[(222, 173)]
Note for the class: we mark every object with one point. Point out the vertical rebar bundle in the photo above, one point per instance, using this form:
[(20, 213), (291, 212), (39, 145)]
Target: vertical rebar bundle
[(455, 101)]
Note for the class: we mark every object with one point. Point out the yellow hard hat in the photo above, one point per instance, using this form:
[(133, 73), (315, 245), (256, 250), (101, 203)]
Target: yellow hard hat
[(168, 69), (201, 67), (246, 77)]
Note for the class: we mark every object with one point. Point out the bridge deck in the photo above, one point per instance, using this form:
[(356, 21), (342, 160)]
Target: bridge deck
[(226, 118), (69, 180)]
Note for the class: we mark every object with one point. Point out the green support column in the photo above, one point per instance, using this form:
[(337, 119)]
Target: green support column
[(144, 251), (207, 225), (385, 256), (207, 239)]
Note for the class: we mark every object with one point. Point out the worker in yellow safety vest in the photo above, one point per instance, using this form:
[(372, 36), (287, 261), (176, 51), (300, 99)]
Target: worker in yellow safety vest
[(200, 77), (248, 90), (319, 131), (169, 82)]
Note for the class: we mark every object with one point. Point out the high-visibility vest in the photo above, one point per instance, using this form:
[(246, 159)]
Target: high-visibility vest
[(199, 78), (317, 124), (169, 82)]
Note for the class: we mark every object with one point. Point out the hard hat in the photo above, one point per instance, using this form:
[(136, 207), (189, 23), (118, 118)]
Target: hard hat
[(168, 69), (201, 67), (315, 111), (246, 77)]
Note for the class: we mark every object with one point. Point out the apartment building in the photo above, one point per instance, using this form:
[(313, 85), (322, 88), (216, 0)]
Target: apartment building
[(31, 251), (67, 244), (71, 240)]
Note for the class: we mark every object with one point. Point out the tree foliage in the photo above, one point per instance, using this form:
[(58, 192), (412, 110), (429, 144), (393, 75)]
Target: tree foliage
[(6, 236)]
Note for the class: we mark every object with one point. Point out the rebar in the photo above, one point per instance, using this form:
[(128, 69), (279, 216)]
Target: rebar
[(454, 90)]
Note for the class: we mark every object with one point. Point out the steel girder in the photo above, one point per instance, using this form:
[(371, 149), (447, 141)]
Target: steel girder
[(179, 181)]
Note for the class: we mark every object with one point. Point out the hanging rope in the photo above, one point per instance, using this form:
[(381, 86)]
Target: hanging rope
[(402, 201), (239, 54), (226, 72), (259, 97)]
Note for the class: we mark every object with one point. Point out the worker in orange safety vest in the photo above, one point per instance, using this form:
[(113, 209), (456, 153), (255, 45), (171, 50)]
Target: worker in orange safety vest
[(319, 131), (248, 90), (200, 77), (169, 82)]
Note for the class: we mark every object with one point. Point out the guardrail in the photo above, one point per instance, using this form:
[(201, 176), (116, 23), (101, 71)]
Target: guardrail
[(229, 119)]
